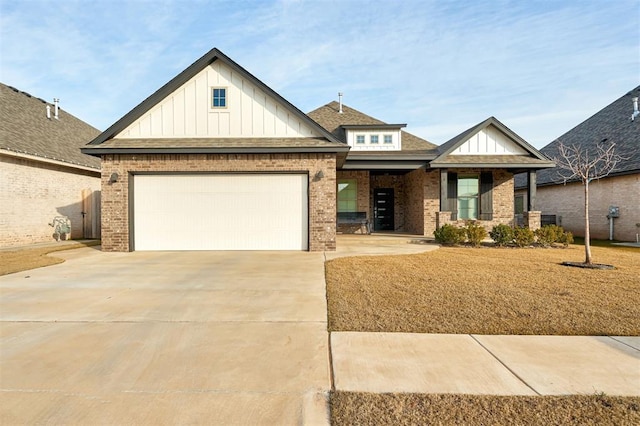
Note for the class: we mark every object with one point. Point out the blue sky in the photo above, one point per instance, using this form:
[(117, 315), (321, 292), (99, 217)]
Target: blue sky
[(541, 67)]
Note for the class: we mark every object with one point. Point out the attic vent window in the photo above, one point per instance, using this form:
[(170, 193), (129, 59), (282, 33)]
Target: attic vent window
[(218, 97)]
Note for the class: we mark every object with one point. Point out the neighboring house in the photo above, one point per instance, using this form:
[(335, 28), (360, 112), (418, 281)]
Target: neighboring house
[(43, 174), (216, 160), (563, 203)]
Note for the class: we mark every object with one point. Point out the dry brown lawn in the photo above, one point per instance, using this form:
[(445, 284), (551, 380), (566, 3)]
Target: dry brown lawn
[(351, 408), (30, 258), (487, 291)]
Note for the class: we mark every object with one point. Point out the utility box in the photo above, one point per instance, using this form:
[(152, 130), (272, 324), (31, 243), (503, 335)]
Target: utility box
[(614, 211)]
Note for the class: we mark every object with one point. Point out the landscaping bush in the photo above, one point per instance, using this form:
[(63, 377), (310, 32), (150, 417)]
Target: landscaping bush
[(566, 238), (551, 234), (475, 233), (502, 234), (523, 237), (547, 235), (449, 234)]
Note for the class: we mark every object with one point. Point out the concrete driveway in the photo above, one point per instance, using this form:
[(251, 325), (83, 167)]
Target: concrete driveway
[(166, 338)]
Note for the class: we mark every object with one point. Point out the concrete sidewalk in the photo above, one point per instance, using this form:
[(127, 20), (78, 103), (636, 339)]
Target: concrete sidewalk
[(478, 364)]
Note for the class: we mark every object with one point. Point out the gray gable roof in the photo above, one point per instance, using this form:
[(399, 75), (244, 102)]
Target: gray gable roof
[(207, 59), (534, 159), (25, 129), (611, 124)]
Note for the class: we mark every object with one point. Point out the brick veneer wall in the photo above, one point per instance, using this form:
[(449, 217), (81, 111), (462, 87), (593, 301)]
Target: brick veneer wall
[(503, 199), (322, 192), (33, 192), (423, 201), (362, 184), (567, 202)]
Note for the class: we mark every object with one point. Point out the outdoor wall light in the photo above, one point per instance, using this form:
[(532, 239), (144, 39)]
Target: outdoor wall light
[(113, 178), (319, 175)]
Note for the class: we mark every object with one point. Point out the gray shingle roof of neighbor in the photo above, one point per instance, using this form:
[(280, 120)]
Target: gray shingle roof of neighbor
[(98, 144), (25, 129), (329, 117), (611, 124), (535, 159)]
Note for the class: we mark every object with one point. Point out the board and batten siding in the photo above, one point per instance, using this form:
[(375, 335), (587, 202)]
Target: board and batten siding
[(489, 141), (187, 112)]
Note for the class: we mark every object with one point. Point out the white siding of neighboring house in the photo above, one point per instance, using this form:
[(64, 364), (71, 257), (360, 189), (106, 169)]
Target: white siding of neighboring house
[(187, 112), (489, 141)]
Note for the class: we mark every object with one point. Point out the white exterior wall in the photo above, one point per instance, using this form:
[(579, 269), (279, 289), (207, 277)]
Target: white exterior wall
[(489, 141), (187, 112), (567, 202), (32, 193), (396, 145)]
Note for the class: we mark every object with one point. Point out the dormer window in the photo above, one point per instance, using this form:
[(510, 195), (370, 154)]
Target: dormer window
[(374, 137), (218, 97)]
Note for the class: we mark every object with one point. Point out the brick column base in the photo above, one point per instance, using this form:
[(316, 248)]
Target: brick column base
[(532, 220)]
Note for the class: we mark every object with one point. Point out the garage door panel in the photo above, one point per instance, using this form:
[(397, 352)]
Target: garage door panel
[(221, 212)]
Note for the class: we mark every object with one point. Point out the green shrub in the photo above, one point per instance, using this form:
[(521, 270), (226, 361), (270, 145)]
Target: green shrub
[(502, 234), (449, 234), (547, 235), (551, 234), (566, 238), (523, 237), (475, 233)]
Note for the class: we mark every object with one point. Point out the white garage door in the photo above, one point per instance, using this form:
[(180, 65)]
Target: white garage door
[(220, 212)]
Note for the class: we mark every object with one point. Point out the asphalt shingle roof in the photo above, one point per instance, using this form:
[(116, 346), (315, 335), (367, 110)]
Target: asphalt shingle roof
[(329, 117), (611, 124), (25, 129)]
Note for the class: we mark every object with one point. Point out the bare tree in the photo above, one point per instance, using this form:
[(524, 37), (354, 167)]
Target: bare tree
[(578, 163)]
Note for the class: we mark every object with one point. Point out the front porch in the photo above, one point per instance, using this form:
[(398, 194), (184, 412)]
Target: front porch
[(418, 201)]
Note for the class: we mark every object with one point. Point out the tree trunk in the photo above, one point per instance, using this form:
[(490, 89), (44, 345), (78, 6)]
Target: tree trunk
[(587, 237)]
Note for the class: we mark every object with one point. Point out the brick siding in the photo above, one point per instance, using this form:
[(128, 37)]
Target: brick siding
[(503, 203), (33, 192), (322, 192), (567, 203)]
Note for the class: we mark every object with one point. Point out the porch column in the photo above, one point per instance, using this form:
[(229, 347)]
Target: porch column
[(531, 190), (444, 194)]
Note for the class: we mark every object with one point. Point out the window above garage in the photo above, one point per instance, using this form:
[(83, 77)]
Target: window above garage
[(218, 97)]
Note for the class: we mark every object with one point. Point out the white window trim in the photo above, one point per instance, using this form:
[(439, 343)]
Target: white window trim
[(371, 139), (384, 138), (364, 138)]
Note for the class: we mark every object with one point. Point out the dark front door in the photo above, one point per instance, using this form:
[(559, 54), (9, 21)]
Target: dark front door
[(383, 209)]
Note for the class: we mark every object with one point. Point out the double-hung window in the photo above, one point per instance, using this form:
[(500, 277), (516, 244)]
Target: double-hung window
[(388, 139), (468, 193), (359, 139), (373, 139)]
